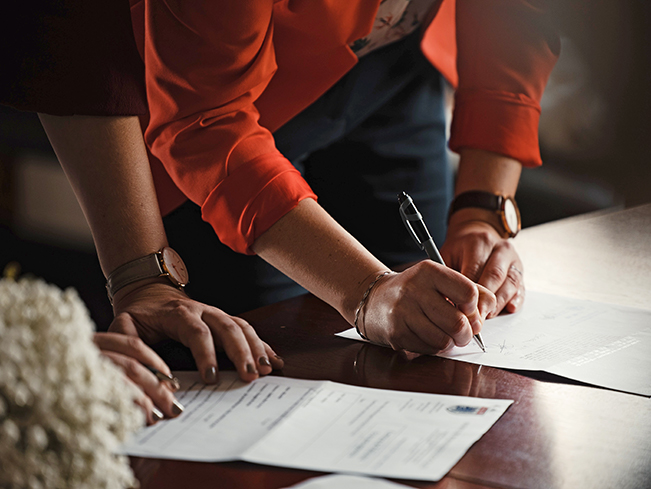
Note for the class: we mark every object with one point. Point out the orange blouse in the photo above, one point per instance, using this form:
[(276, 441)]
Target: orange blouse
[(222, 76)]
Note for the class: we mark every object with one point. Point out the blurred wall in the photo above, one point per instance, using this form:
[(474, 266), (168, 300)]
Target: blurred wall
[(598, 128)]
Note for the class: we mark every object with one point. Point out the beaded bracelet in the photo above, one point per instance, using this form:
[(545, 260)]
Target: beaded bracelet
[(362, 303)]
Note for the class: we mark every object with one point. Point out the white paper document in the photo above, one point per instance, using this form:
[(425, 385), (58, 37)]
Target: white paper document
[(319, 425), (600, 344), (340, 481)]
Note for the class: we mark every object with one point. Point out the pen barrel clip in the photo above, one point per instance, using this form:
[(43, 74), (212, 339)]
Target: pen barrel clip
[(413, 221)]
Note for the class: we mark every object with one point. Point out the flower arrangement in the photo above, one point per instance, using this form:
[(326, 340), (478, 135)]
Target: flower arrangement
[(64, 408)]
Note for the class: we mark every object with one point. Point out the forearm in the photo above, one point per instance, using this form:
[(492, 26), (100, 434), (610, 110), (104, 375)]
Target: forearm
[(311, 248), (106, 163), (490, 172)]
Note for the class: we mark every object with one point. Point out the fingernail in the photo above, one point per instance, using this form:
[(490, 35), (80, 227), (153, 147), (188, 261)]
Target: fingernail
[(157, 414), (250, 368), (279, 358), (210, 375), (177, 407), (264, 361)]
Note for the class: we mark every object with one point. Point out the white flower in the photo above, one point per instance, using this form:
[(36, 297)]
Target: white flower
[(64, 408)]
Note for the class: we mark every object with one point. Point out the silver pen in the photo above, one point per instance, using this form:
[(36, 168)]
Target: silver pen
[(416, 226), (163, 377)]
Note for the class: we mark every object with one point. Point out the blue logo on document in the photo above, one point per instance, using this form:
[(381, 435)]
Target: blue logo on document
[(467, 409)]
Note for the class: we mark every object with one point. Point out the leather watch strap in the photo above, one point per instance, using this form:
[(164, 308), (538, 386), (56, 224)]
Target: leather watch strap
[(505, 208), (476, 198), (141, 268)]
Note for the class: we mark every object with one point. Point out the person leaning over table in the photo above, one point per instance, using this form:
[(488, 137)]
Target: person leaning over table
[(78, 68), (237, 90)]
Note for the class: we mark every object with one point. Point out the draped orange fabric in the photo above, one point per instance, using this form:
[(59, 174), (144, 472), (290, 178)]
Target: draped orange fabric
[(222, 76)]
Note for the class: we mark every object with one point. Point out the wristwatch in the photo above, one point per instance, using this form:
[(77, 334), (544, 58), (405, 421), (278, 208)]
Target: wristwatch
[(163, 263), (505, 207)]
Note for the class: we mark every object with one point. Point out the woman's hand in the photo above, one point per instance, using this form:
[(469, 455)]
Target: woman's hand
[(478, 251), (425, 309), (130, 354), (154, 310)]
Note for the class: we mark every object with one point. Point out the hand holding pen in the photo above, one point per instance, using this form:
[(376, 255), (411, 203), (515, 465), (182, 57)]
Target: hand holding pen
[(426, 308), (415, 224)]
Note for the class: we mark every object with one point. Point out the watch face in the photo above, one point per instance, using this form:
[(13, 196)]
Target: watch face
[(174, 265), (511, 216)]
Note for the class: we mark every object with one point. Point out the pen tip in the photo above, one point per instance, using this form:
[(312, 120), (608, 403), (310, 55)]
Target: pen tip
[(402, 196), (480, 342)]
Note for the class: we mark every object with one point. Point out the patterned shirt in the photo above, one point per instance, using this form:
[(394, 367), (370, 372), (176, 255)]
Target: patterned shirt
[(395, 19)]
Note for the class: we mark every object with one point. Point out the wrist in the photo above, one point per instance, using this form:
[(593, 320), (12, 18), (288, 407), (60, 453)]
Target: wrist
[(155, 284), (472, 215), (164, 263), (353, 297), (498, 210), (359, 311)]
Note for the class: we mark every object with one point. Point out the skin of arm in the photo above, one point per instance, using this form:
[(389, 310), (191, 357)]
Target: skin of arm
[(474, 245), (106, 164), (408, 310)]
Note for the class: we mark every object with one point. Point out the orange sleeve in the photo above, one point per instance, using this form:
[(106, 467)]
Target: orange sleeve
[(506, 51), (206, 63)]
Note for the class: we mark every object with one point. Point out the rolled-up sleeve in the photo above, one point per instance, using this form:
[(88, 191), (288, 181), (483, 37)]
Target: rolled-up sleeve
[(506, 51), (206, 63)]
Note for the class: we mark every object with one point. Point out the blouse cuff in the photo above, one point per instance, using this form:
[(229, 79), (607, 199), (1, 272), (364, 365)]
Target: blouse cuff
[(252, 198), (501, 122)]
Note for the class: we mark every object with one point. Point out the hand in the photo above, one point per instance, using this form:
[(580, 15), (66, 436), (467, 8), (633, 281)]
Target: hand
[(154, 310), (131, 355), (477, 250), (425, 309)]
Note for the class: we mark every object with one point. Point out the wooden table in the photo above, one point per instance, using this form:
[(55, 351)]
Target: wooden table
[(557, 434)]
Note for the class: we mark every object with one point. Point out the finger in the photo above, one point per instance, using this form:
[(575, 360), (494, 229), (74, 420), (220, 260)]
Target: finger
[(450, 283), (507, 291), (160, 395), (423, 338), (257, 346), (464, 294), (198, 337), (277, 362), (134, 347), (516, 302), (418, 336), (451, 321), (151, 412), (497, 266), (229, 333), (473, 258)]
